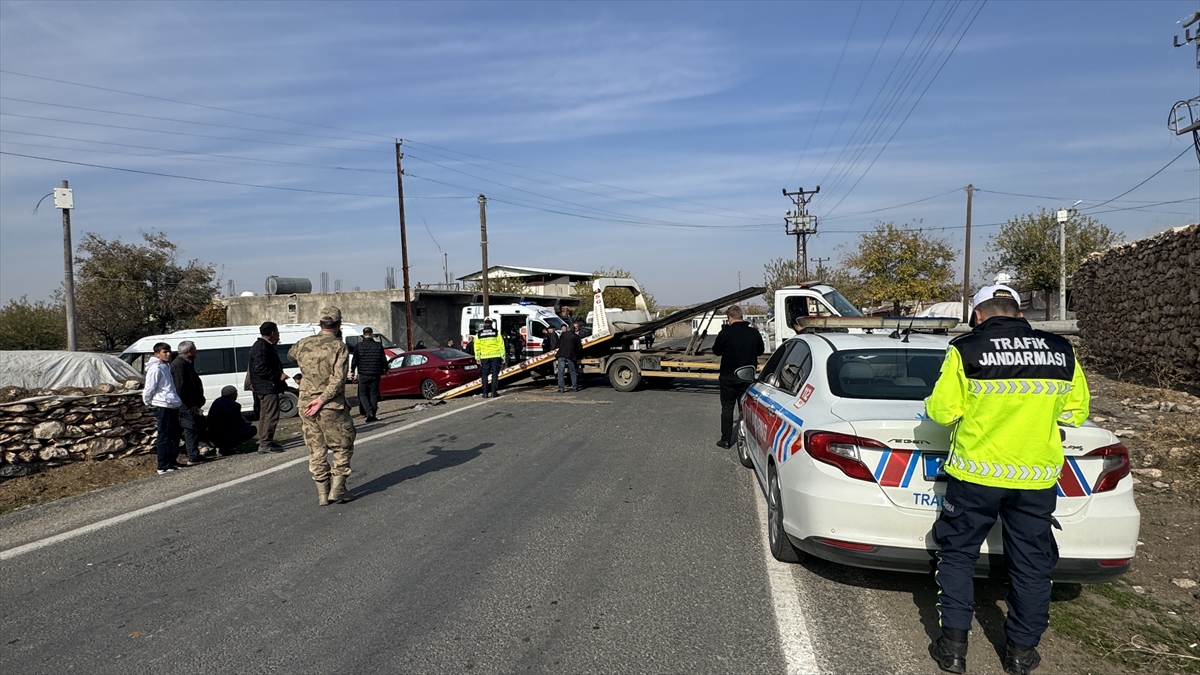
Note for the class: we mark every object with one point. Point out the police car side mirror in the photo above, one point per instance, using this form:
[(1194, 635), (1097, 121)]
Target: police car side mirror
[(745, 373)]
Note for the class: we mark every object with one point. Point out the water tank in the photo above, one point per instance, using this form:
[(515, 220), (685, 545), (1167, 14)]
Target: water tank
[(288, 285)]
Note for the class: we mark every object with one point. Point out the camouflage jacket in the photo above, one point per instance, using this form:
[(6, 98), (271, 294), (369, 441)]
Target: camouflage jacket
[(324, 361)]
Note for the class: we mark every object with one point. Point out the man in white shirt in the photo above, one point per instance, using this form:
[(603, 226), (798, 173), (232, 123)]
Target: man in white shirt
[(160, 394)]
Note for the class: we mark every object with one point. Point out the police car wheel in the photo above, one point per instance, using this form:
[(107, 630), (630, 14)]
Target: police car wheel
[(781, 547), (289, 405), (743, 449), (429, 388)]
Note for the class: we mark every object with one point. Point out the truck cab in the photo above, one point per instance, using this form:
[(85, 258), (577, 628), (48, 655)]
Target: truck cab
[(810, 299), (528, 322)]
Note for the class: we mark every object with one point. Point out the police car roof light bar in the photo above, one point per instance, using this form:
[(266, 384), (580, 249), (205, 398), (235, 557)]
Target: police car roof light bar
[(905, 323)]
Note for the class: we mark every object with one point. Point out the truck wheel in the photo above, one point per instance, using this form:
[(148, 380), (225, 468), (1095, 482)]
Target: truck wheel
[(429, 388), (623, 375), (289, 404)]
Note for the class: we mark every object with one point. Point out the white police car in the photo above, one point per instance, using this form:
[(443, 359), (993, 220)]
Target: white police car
[(836, 432)]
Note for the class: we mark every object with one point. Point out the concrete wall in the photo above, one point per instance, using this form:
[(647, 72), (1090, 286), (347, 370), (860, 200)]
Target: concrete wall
[(1138, 304)]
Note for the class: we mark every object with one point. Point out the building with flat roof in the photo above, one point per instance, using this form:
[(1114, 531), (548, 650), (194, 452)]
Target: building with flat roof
[(536, 281)]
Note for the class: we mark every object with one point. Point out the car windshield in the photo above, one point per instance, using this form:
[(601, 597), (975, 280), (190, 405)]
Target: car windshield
[(449, 354), (554, 322), (841, 304), (383, 340), (890, 374)]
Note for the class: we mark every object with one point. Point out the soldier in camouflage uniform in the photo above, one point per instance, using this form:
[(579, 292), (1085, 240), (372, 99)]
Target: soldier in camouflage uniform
[(325, 418)]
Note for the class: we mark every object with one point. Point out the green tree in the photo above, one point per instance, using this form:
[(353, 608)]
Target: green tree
[(126, 291), (898, 263), (512, 285), (36, 325), (1027, 245), (777, 273), (614, 298)]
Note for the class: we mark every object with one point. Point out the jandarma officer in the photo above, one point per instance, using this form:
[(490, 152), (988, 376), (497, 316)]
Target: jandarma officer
[(1006, 388), (489, 351)]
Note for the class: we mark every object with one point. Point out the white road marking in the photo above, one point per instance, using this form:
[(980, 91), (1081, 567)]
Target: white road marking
[(798, 655), (107, 522)]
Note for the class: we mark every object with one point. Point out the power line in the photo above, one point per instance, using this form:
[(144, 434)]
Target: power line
[(1185, 151), (184, 133), (198, 105), (889, 208), (828, 89), (172, 119), (853, 99), (1064, 199), (589, 182), (230, 158), (202, 180), (953, 49)]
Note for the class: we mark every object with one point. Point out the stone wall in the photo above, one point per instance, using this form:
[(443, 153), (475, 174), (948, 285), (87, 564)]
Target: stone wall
[(52, 427), (1138, 304)]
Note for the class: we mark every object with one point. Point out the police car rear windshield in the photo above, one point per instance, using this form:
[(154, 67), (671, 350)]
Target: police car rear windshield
[(889, 374)]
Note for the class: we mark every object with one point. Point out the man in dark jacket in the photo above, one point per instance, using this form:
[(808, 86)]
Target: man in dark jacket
[(738, 344), (227, 429), (191, 394), (569, 349), (369, 363), (267, 382), (549, 341)]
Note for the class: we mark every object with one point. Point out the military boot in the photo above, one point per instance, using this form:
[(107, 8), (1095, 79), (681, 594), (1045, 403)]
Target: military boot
[(339, 492), (1019, 660), (322, 493), (950, 650)]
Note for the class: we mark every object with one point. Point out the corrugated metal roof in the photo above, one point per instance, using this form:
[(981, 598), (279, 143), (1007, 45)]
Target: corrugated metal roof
[(526, 271)]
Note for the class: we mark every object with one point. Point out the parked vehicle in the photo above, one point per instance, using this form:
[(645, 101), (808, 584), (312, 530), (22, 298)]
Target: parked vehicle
[(529, 320), (835, 430), (223, 356), (427, 372)]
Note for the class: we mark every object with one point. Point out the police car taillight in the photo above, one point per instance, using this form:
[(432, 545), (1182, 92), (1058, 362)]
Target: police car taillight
[(1116, 466), (841, 450)]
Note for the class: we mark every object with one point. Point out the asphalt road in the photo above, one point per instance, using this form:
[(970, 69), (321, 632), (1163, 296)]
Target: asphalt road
[(591, 532)]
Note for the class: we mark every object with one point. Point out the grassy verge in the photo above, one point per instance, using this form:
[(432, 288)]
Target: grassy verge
[(1136, 632)]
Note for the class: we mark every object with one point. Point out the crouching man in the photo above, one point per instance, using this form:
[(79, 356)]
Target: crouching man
[(227, 428), (325, 416)]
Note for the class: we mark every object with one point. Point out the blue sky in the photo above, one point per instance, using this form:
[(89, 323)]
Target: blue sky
[(652, 137)]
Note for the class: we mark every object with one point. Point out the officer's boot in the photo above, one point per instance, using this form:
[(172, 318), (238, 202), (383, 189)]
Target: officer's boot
[(1020, 660), (950, 650), (339, 493), (322, 493)]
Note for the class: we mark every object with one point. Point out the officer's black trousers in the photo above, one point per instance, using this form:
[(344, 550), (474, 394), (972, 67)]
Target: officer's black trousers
[(968, 514), (489, 372)]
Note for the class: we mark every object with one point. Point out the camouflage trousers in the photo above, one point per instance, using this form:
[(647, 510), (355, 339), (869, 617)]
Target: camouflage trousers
[(330, 430)]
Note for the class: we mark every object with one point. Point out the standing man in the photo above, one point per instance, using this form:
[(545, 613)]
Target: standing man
[(160, 394), (549, 341), (489, 351), (325, 417), (738, 344), (569, 348), (1006, 388), (267, 382), (191, 394), (369, 364)]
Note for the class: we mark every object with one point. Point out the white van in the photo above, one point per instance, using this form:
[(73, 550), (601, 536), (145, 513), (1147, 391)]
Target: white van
[(530, 321), (223, 355)]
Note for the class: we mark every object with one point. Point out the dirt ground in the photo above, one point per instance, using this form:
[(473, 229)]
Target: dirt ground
[(1148, 622)]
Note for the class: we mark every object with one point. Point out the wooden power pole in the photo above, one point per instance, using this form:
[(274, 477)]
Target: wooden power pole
[(483, 245), (404, 252), (967, 259)]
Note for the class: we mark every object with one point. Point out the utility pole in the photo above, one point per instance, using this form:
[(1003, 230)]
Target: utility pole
[(818, 261), (483, 245), (404, 250), (1064, 216), (800, 224), (967, 258), (63, 199)]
